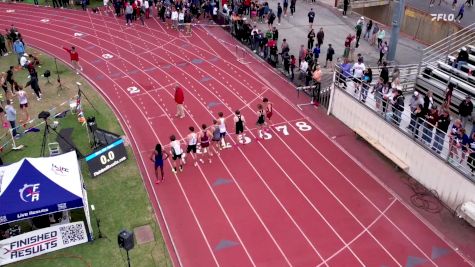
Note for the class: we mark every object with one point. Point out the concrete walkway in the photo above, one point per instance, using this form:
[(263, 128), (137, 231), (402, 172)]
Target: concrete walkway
[(336, 28)]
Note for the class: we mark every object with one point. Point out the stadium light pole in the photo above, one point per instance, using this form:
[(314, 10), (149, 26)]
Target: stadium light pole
[(396, 28)]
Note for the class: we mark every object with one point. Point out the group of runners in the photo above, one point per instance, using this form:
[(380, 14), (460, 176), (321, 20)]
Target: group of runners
[(209, 139)]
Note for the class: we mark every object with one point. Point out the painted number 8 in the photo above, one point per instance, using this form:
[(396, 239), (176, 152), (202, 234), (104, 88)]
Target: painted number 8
[(303, 126)]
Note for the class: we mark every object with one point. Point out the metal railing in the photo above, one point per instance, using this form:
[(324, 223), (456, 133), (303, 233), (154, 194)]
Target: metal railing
[(449, 45), (444, 145)]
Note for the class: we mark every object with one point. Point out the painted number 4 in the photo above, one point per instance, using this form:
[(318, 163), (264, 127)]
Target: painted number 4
[(133, 90)]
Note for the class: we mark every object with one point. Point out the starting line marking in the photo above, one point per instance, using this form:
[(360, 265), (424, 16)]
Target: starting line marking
[(107, 56)]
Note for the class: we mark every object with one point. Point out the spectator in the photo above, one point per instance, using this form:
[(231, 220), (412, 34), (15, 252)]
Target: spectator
[(414, 103), (443, 122), (448, 95), (378, 93), (358, 71), (398, 107), (292, 7), (346, 52), (311, 17), (292, 66), (330, 53), (74, 57), (320, 37), (395, 74), (367, 33), (3, 48), (24, 60), (129, 11), (317, 79), (316, 53), (270, 19), (286, 4), (380, 35), (279, 13), (33, 82), (382, 52), (275, 34), (428, 102), (471, 155), (454, 141), (460, 14), (311, 39), (302, 54), (359, 30), (18, 49), (384, 73), (431, 118), (345, 73), (372, 41), (462, 59), (23, 100), (346, 3), (179, 99), (465, 110), (11, 117), (303, 69)]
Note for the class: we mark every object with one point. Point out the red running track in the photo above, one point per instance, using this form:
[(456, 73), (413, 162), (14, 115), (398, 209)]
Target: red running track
[(294, 199)]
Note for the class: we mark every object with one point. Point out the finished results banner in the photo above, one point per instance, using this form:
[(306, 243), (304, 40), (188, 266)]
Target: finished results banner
[(41, 241)]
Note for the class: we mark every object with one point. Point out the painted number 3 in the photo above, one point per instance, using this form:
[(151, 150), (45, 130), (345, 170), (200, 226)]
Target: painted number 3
[(303, 126)]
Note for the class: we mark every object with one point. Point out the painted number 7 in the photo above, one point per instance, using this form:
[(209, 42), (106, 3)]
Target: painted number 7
[(283, 129)]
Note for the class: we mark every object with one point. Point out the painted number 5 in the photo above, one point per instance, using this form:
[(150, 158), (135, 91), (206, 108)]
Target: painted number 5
[(303, 126)]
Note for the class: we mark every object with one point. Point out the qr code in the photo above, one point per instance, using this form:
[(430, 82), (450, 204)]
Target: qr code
[(72, 233)]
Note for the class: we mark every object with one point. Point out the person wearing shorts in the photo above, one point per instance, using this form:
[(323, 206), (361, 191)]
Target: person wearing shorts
[(205, 137), (23, 100), (216, 134), (157, 158), (268, 107), (222, 129), (192, 139), (261, 121), (239, 122), (177, 154)]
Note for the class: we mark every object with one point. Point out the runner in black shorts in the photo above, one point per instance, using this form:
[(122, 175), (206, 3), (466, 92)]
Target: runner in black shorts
[(261, 121), (239, 121), (192, 140), (177, 153)]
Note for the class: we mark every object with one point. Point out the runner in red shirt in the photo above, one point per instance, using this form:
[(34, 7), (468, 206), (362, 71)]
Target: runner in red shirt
[(268, 106), (73, 54)]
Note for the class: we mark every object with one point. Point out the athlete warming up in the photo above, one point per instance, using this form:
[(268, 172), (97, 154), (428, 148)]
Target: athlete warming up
[(205, 137), (261, 121), (177, 154), (157, 158), (240, 122), (192, 139)]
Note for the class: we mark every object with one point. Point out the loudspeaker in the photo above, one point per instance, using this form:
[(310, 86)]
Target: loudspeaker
[(126, 240)]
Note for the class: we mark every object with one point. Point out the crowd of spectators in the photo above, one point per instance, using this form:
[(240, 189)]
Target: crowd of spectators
[(12, 43)]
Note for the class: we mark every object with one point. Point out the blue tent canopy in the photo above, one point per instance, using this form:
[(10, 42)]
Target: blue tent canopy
[(35, 187)]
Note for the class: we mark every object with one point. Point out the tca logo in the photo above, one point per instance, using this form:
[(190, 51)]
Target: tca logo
[(443, 17)]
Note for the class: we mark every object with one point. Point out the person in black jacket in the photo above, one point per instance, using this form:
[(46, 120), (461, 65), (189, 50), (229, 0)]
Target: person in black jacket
[(398, 107), (442, 125), (465, 110), (384, 73), (462, 58), (346, 3)]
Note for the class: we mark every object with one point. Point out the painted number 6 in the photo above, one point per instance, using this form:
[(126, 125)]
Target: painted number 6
[(303, 126)]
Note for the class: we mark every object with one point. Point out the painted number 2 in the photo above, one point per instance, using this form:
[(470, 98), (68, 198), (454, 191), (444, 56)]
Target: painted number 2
[(133, 90), (303, 126)]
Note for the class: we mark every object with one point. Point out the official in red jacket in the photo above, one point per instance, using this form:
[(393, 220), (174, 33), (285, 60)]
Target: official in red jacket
[(179, 99), (74, 56)]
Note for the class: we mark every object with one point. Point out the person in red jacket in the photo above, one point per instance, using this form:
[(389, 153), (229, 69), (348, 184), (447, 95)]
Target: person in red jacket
[(73, 54), (179, 99)]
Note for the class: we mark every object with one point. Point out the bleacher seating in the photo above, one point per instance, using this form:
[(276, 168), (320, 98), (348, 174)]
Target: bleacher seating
[(436, 76)]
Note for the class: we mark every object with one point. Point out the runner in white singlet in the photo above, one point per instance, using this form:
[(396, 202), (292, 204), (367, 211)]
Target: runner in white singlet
[(222, 129), (192, 139), (177, 153)]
